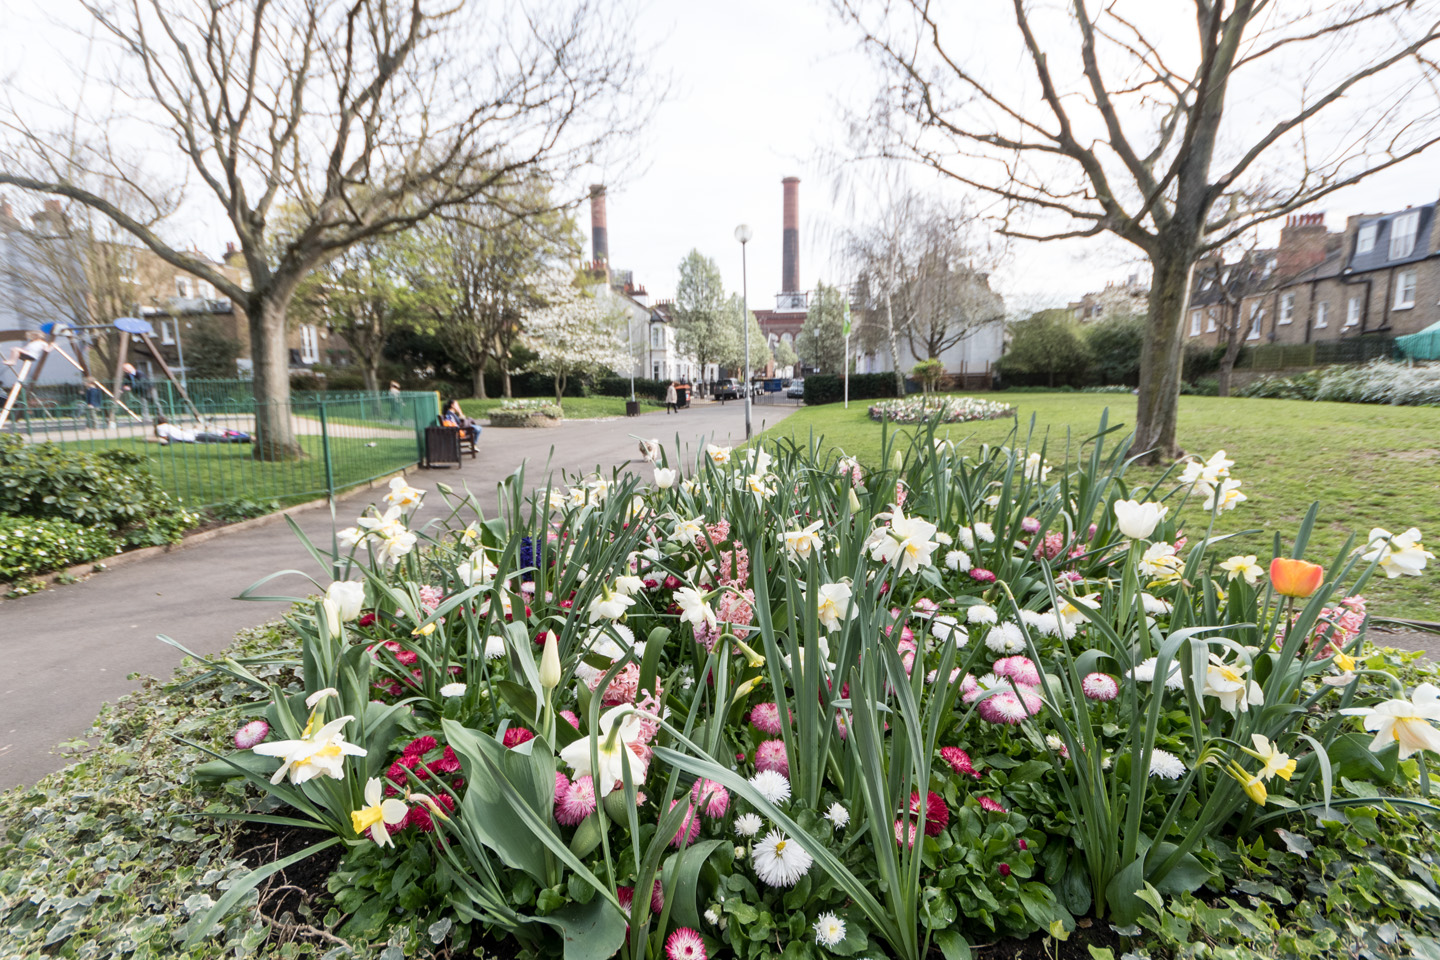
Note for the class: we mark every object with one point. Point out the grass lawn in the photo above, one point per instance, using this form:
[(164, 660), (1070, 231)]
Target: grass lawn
[(1367, 465), (202, 474), (576, 408)]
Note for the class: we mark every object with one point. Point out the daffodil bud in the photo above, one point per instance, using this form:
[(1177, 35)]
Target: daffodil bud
[(854, 502), (897, 462), (550, 662)]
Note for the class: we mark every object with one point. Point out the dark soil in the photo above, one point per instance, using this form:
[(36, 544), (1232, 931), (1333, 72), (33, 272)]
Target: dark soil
[(1087, 932), (298, 885)]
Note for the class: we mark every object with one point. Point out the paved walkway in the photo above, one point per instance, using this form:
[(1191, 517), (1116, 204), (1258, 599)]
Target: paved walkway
[(74, 647)]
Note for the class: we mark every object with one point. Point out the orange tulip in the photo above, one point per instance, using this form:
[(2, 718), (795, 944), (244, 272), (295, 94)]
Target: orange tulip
[(1295, 578)]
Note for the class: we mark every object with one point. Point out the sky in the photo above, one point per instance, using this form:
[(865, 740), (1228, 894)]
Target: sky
[(759, 91)]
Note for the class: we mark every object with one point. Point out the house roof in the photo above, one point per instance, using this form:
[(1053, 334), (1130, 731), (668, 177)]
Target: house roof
[(1378, 257)]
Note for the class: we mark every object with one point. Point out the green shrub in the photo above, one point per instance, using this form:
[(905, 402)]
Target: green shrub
[(1115, 350), (242, 508), (620, 387), (38, 546), (1204, 387), (828, 388), (109, 490)]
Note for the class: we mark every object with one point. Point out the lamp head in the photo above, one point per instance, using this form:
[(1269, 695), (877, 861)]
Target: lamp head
[(743, 233)]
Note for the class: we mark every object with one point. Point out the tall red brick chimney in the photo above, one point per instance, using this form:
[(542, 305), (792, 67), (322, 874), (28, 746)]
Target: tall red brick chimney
[(599, 240), (790, 238), (1303, 243)]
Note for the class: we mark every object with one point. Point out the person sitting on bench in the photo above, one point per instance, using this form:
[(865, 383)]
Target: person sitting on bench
[(453, 416)]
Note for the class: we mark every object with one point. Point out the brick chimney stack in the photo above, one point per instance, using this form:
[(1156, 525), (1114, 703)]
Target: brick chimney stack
[(599, 239), (790, 238), (1303, 243)]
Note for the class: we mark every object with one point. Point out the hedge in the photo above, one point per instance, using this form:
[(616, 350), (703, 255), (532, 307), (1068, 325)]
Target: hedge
[(28, 546), (828, 388), (620, 387)]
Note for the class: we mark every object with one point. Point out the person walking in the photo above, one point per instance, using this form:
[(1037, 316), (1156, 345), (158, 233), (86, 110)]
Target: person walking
[(94, 401), (671, 400)]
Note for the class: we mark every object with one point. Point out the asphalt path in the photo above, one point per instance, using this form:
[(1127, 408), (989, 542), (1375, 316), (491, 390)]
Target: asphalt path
[(75, 647)]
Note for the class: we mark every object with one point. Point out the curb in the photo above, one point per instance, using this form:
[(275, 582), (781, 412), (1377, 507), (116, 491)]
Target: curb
[(84, 571)]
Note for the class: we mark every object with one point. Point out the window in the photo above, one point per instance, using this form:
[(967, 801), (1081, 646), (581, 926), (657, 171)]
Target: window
[(1194, 323), (1405, 290), (1210, 320), (309, 344), (656, 368), (207, 290), (1352, 312), (1257, 314), (1365, 239), (1287, 308), (657, 336), (167, 331), (1402, 234), (1322, 316), (787, 338), (184, 287)]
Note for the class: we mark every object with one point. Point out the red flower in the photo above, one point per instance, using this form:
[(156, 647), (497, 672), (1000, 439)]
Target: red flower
[(959, 761), (1004, 869), (937, 815), (516, 736), (420, 746)]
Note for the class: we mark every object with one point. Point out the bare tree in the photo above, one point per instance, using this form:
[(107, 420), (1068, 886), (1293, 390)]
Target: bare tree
[(1162, 134), (356, 119), (1221, 291)]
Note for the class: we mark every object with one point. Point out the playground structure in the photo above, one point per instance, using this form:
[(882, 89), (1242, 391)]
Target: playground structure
[(27, 360)]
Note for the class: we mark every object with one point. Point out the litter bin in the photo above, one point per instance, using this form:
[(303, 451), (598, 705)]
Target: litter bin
[(442, 445), (682, 395), (632, 408)]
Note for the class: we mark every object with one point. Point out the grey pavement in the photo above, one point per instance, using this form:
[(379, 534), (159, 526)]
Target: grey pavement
[(75, 647)]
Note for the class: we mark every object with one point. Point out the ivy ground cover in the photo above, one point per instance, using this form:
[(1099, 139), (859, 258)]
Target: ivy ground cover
[(1366, 464), (771, 703)]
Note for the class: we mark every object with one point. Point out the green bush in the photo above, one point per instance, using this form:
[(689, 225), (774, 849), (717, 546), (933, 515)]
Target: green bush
[(1115, 350), (620, 387), (1201, 360), (828, 388), (1204, 387), (242, 508), (108, 490), (38, 546), (1048, 349)]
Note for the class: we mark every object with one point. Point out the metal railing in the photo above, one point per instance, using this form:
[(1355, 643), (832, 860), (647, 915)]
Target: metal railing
[(346, 439)]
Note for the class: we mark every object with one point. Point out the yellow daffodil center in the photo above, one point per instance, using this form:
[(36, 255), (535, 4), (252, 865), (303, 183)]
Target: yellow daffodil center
[(1229, 674), (363, 820), (424, 631)]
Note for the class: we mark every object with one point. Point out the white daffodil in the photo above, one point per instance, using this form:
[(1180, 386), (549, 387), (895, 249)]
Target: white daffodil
[(321, 753), (1036, 468), (1208, 475), (1402, 555), (478, 570), (688, 531), (629, 584), (348, 596), (1160, 561), (694, 608), (1138, 520), (718, 455), (350, 536), (800, 543), (833, 604), (1238, 566), (402, 494), (1224, 497), (665, 477), (761, 485), (378, 814), (558, 501), (619, 727), (1227, 683), (1406, 722)]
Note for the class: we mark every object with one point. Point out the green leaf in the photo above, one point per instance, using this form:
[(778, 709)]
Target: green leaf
[(1121, 893), (681, 889), (952, 945), (592, 931), (247, 883), (1187, 876)]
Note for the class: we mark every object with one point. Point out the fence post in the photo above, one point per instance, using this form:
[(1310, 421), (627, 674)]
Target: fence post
[(325, 450)]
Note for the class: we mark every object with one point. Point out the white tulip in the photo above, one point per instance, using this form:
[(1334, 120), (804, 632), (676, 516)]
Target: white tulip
[(1138, 520)]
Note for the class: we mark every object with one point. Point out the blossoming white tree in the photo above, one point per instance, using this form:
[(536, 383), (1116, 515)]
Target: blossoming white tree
[(572, 334)]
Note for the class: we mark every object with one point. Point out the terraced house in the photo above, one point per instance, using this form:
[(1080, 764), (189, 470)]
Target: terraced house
[(1376, 280)]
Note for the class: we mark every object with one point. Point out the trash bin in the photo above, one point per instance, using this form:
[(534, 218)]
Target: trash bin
[(442, 445), (682, 395), (632, 408)]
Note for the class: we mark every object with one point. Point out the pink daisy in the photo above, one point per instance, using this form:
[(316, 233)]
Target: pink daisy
[(577, 803), (937, 815), (1100, 686), (981, 575), (684, 944), (1030, 525), (765, 717), (689, 826), (1009, 707), (959, 761), (570, 718), (926, 606), (251, 734), (1019, 669), (987, 804), (715, 797), (770, 755), (1004, 869), (905, 833), (516, 736)]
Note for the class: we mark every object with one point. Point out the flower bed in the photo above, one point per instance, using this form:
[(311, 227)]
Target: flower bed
[(526, 413), (785, 708), (939, 409)]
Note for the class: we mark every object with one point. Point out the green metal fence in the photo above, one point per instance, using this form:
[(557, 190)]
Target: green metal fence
[(1289, 356), (346, 438)]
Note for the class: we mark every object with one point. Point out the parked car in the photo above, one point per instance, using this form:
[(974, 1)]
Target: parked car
[(731, 389), (796, 388)]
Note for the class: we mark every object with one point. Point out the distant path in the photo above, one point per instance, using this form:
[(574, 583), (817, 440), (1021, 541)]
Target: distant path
[(75, 646)]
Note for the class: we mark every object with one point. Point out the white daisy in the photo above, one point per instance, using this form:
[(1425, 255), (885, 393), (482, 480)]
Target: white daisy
[(957, 560), (772, 785), (494, 647), (984, 532), (1005, 638), (1145, 672), (838, 815), (780, 861), (980, 613), (1166, 765), (748, 824), (829, 930), (948, 628)]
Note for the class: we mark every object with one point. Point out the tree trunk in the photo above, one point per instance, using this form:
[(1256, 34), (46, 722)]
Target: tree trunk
[(1162, 353), (893, 340), (559, 389), (274, 429), (371, 372), (1232, 353), (505, 380), (477, 383)]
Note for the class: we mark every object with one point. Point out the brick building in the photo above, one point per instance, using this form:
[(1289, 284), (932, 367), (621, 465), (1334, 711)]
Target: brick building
[(1128, 299), (1378, 278)]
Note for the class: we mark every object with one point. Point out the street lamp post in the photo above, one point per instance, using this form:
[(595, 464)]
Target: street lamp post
[(743, 234)]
